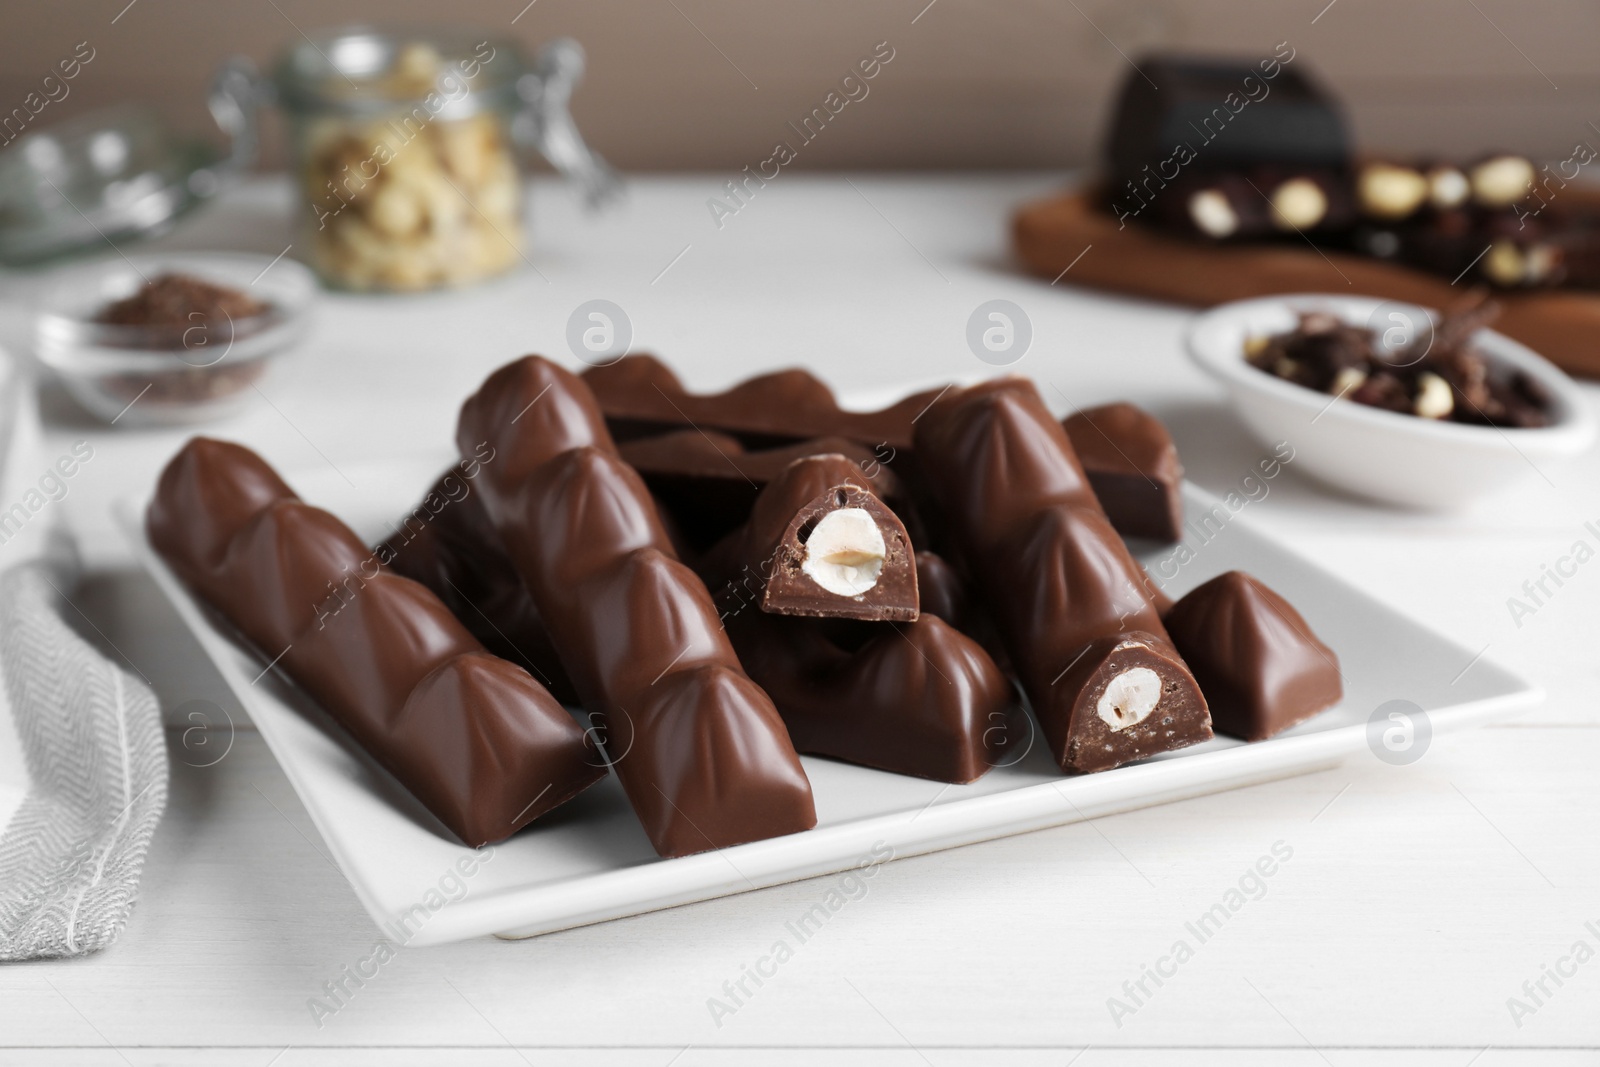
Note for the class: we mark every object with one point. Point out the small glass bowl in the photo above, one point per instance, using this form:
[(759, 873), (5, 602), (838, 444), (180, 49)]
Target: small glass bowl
[(166, 375)]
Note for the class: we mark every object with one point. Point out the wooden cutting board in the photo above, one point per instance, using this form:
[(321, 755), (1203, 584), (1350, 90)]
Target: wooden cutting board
[(1561, 325)]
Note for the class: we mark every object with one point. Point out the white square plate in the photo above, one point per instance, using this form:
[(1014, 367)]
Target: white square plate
[(589, 861)]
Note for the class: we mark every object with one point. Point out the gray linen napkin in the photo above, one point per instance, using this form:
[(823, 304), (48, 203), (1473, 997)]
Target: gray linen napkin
[(79, 736), (90, 734)]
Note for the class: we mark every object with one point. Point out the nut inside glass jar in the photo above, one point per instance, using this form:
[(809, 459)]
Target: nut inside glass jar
[(406, 160)]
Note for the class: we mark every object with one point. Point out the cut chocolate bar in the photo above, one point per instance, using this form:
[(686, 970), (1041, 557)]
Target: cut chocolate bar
[(826, 546), (1073, 608), (708, 481), (1259, 665), (1133, 467)]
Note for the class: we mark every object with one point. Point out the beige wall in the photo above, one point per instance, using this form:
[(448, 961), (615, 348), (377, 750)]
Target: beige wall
[(1009, 83)]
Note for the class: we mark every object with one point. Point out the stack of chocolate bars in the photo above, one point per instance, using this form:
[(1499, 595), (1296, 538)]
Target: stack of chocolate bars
[(723, 582)]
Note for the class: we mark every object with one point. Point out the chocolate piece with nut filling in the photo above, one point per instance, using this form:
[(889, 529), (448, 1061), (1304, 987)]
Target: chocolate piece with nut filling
[(1072, 606), (708, 481), (1257, 661), (641, 397), (480, 743), (826, 546), (701, 752), (1133, 467)]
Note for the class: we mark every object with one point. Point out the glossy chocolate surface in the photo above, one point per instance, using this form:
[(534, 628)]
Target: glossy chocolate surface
[(1257, 661), (708, 481), (917, 698), (699, 748), (480, 743), (448, 544), (641, 397), (789, 519), (1133, 468), (1059, 583)]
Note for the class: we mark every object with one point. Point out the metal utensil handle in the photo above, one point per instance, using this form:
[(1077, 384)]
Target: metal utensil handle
[(235, 99), (546, 123)]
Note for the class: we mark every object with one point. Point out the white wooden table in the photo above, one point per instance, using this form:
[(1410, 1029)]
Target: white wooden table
[(1417, 900)]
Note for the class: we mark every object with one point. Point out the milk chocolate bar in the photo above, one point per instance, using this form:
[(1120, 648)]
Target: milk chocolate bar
[(917, 698), (476, 739), (699, 748), (823, 544), (1259, 665), (1070, 603), (641, 397), (447, 543), (708, 481), (1133, 468)]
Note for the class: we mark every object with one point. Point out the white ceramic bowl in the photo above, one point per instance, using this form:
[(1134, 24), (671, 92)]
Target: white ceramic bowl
[(1399, 459)]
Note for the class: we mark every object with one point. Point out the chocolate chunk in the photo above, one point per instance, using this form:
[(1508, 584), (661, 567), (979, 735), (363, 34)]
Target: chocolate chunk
[(1129, 699), (826, 546), (1072, 606), (701, 752), (1133, 467), (1259, 665), (448, 544), (1217, 114), (708, 481), (641, 397), (480, 743)]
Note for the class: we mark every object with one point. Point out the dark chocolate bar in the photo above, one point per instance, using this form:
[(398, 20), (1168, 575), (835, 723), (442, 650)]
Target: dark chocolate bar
[(476, 739), (708, 481), (699, 748), (641, 397), (1133, 467), (822, 544), (447, 543), (1072, 606), (1253, 204), (1176, 113), (1259, 665)]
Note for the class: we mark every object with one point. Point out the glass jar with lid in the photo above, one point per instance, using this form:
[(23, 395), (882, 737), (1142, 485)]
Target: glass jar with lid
[(405, 149)]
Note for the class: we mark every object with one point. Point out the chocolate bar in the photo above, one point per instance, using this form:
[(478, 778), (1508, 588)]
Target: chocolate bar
[(917, 698), (708, 481), (1133, 468), (447, 543), (1070, 603), (1259, 665), (701, 752), (820, 543), (476, 739), (641, 397), (1176, 113)]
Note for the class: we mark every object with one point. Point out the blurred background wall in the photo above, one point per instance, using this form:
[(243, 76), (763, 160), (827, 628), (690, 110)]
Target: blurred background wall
[(710, 84)]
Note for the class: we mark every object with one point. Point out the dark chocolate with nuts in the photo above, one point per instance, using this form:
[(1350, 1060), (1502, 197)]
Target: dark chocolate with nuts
[(1448, 380)]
